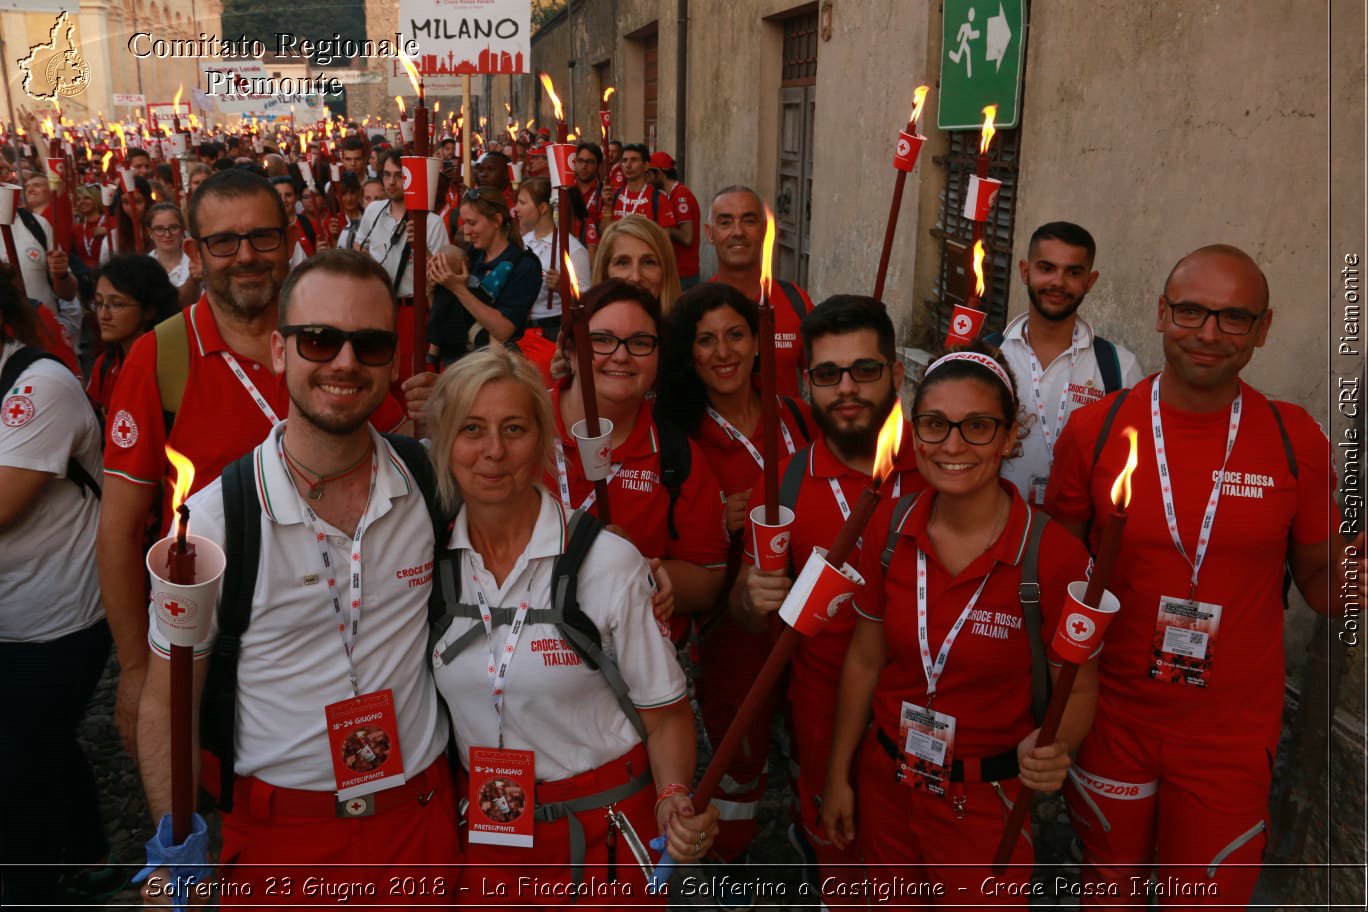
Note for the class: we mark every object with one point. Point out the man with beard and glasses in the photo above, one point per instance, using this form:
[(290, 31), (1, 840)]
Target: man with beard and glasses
[(853, 383), (1059, 362), (333, 492), (202, 382)]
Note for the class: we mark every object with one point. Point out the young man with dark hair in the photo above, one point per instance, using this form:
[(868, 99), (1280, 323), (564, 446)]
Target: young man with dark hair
[(1059, 363), (300, 233), (353, 154), (638, 196), (139, 161), (685, 235), (586, 226)]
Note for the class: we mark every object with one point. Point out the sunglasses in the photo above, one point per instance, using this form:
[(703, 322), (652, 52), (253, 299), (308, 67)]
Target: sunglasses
[(319, 343)]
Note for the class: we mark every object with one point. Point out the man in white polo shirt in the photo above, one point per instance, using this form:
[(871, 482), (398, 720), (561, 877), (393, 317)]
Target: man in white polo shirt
[(338, 623), (1059, 363)]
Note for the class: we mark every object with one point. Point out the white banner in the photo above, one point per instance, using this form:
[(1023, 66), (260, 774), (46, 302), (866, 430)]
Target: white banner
[(459, 37), (136, 101)]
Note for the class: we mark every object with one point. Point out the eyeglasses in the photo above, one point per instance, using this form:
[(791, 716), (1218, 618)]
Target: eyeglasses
[(864, 371), (319, 343), (113, 306), (638, 346), (976, 429), (1231, 320), (263, 240), (176, 229)]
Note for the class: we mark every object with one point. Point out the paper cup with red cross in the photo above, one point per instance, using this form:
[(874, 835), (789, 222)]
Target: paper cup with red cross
[(1081, 628), (129, 179), (9, 204), (560, 158), (596, 453), (107, 193), (819, 595), (979, 199), (771, 542), (183, 612), (420, 181), (406, 131), (174, 144), (334, 172), (907, 150)]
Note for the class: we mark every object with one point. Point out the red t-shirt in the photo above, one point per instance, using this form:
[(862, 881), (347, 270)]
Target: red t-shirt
[(788, 345), (1261, 507), (587, 229), (640, 502), (684, 205), (733, 464), (986, 680), (102, 379), (218, 421), (648, 202), (818, 518)]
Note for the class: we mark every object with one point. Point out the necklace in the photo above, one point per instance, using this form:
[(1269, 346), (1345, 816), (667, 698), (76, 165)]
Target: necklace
[(318, 488)]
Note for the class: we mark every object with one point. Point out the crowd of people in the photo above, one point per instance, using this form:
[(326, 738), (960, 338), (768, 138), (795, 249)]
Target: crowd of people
[(259, 319)]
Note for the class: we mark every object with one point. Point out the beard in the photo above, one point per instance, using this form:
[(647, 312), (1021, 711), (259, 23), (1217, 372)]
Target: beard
[(339, 424), (861, 440), (243, 303), (1054, 316)]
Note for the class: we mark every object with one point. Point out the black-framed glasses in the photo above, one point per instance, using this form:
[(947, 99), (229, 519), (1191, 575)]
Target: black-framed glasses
[(976, 429), (1231, 320), (321, 343), (174, 229), (866, 370), (263, 240), (638, 346)]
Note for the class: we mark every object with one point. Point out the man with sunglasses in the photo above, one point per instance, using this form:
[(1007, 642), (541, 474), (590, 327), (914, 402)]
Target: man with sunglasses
[(1231, 487), (203, 384), (853, 383), (333, 493)]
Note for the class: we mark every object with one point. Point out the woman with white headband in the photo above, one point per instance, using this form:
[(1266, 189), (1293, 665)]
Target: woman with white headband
[(945, 651)]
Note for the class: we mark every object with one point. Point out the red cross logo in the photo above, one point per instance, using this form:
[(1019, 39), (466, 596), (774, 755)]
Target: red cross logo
[(356, 807), (123, 430), (174, 609), (18, 411), (1080, 628)]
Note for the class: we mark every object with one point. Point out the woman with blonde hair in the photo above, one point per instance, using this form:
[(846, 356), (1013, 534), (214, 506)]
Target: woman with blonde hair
[(638, 250), (596, 696)]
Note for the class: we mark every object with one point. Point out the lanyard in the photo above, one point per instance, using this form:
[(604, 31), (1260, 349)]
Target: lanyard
[(1166, 484), (498, 664), (251, 389), (1037, 377), (933, 670), (564, 480), (845, 506), (734, 434), (348, 621)]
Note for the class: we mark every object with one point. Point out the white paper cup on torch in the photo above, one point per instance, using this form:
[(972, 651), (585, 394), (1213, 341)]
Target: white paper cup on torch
[(183, 612), (306, 173), (107, 193), (819, 595), (9, 202), (129, 179), (771, 542), (420, 181), (174, 144), (596, 453), (334, 172), (1081, 629), (406, 131), (979, 200), (908, 148)]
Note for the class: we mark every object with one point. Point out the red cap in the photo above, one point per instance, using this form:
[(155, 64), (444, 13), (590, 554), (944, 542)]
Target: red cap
[(661, 160), (537, 152), (544, 131)]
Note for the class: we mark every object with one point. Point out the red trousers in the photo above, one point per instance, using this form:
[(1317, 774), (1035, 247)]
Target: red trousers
[(1199, 813), (919, 851), (540, 877), (406, 855)]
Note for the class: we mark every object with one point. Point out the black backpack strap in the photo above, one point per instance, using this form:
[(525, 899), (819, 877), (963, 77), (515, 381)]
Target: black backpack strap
[(900, 511), (798, 418), (792, 481), (1029, 594), (306, 226), (31, 223), (994, 339), (676, 459), (21, 360), (1108, 362), (1286, 439), (1107, 423), (242, 547), (795, 298)]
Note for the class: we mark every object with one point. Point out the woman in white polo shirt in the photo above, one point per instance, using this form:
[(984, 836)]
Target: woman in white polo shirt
[(514, 682)]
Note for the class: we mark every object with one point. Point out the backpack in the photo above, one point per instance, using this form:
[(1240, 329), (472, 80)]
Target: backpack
[(795, 297), (1108, 362), (19, 362), (242, 547), (676, 459), (565, 613), (1028, 592)]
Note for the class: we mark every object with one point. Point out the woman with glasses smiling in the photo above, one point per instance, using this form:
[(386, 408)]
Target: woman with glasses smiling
[(944, 652), (165, 226)]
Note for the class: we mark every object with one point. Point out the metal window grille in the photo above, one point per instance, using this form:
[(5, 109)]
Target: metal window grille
[(800, 50)]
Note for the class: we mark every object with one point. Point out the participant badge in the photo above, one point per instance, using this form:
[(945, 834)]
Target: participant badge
[(503, 788)]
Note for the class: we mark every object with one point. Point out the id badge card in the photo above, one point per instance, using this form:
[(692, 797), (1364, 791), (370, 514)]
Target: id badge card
[(363, 740), (1037, 489), (928, 740), (503, 789), (1184, 637)]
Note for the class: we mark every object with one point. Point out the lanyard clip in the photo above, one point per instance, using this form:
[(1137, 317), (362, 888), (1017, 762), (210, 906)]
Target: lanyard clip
[(356, 690)]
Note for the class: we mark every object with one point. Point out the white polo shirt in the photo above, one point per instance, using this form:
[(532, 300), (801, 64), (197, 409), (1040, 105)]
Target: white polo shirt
[(383, 238), (579, 258), (1074, 378), (292, 663), (33, 260), (553, 703), (48, 586)]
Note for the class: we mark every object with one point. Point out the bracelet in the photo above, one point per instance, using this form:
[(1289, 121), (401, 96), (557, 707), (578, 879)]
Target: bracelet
[(670, 791)]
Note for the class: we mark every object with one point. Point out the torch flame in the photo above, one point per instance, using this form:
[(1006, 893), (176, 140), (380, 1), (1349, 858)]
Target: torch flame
[(436, 106), (166, 130), (123, 141), (185, 477), (412, 71), (303, 145), (890, 440), (194, 121), (608, 93), (1121, 488), (47, 127), (570, 273), (978, 268), (918, 99), (400, 102), (104, 161), (989, 112), (767, 259), (508, 109), (175, 102), (551, 90)]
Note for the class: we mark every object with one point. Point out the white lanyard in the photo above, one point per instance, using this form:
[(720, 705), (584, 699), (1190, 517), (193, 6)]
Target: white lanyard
[(564, 480), (1166, 484), (933, 670), (845, 506), (498, 664), (631, 204), (734, 434), (1037, 377), (348, 622), (251, 389)]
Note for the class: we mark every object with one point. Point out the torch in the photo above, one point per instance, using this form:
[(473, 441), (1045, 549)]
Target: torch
[(605, 129), (560, 241), (904, 160), (825, 584), (1082, 625), (983, 190), (769, 417), (967, 319), (418, 209), (405, 128), (9, 205), (593, 435)]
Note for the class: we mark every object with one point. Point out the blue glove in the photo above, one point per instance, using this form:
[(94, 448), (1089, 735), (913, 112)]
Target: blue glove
[(660, 876), (186, 863)]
